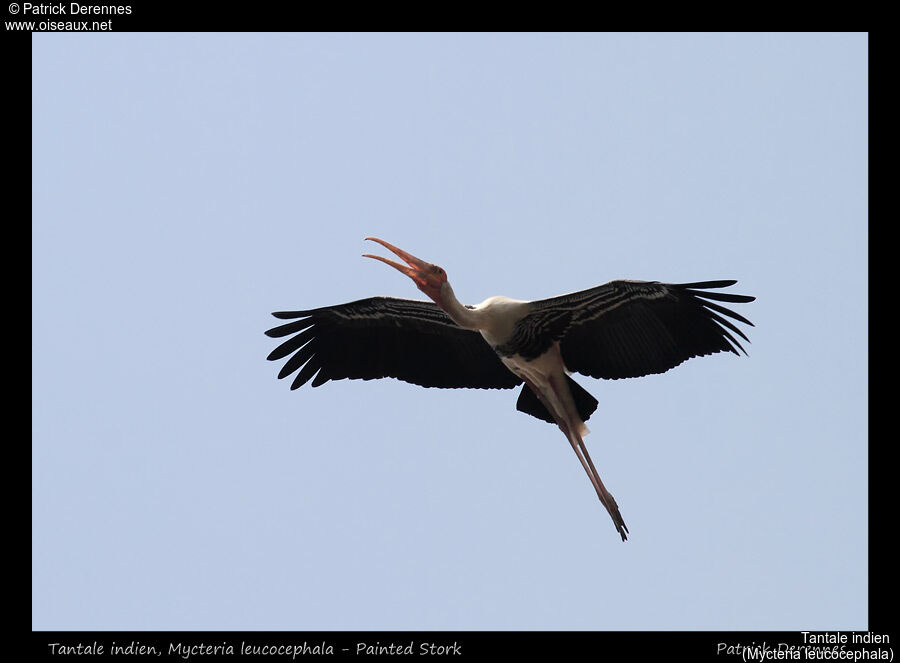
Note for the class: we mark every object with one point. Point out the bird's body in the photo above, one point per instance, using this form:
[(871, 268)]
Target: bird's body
[(494, 318), (617, 330)]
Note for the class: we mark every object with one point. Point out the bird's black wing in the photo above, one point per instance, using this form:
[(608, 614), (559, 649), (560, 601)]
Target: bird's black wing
[(626, 329), (386, 337)]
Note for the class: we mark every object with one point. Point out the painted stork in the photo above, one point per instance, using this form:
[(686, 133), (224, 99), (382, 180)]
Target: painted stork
[(622, 329)]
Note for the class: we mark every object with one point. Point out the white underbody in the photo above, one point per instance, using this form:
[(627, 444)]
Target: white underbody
[(497, 316)]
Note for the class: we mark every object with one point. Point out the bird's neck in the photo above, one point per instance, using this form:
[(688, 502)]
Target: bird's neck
[(466, 318)]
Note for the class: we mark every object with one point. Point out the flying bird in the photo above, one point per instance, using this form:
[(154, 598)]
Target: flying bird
[(622, 329)]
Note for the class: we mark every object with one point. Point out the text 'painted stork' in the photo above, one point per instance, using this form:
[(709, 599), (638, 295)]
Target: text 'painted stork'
[(622, 329)]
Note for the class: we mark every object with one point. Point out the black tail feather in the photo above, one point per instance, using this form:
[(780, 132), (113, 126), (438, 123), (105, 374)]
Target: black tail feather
[(529, 403)]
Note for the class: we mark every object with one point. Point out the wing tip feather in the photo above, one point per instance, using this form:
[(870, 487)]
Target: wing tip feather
[(290, 315)]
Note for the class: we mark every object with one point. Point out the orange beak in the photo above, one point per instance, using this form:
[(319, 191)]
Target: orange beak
[(427, 277)]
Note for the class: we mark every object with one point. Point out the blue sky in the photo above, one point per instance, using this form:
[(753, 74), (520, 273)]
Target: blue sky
[(185, 186)]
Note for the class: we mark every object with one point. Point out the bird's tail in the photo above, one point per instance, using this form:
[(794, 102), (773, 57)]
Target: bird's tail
[(530, 403)]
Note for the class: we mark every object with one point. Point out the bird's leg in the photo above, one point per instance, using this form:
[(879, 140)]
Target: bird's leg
[(610, 501), (606, 498), (555, 404)]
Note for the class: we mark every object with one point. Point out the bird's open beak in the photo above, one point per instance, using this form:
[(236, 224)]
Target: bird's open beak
[(423, 273)]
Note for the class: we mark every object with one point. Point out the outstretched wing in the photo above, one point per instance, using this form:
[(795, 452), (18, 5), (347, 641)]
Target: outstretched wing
[(384, 337), (626, 329)]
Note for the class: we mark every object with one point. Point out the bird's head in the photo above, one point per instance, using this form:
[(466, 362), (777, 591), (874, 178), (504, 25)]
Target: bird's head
[(428, 278)]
